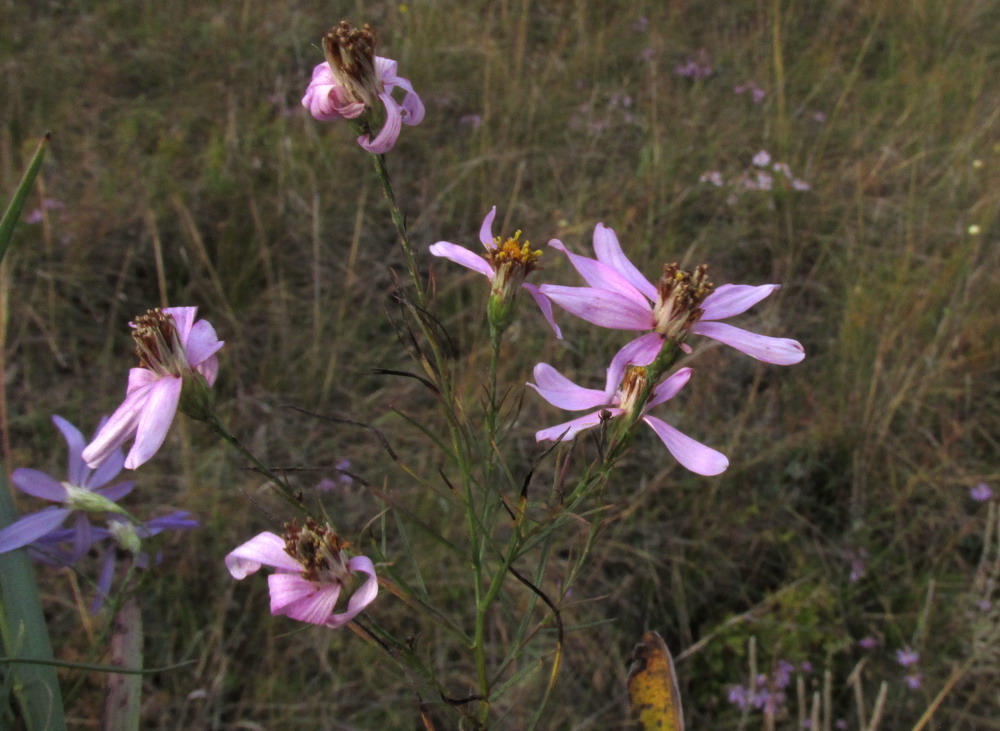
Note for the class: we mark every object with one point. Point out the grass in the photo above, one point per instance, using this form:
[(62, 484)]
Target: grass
[(190, 175)]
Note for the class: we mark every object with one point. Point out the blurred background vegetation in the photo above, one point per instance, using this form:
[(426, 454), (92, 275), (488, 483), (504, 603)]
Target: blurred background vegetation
[(183, 171)]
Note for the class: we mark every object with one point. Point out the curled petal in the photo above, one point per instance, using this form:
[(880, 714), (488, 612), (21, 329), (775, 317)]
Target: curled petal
[(202, 343), (154, 420), (31, 528), (601, 307), (183, 320), (301, 599), (385, 69), (362, 596), (122, 424), (601, 276), (733, 299), (609, 252), (668, 388), (641, 352), (780, 351), (389, 133), (692, 454), (559, 391), (544, 305), (461, 255), (39, 484), (264, 549), (486, 230), (567, 430), (209, 368), (77, 470)]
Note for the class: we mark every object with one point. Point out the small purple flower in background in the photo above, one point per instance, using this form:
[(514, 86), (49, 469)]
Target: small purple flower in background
[(312, 571), (739, 696), (641, 24), (648, 54), (342, 466), (81, 494), (840, 723), (37, 215), (618, 398), (755, 91), (474, 121), (819, 117), (981, 492), (175, 353), (506, 263), (714, 177), (800, 185), (621, 298), (984, 605), (354, 80), (763, 159), (907, 657), (696, 68), (868, 643), (806, 666), (914, 680), (859, 564), (783, 673)]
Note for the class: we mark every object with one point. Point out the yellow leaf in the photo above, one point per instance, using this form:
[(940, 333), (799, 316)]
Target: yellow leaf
[(652, 686)]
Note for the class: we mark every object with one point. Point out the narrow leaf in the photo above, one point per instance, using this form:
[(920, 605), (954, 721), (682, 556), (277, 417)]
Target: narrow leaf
[(13, 212)]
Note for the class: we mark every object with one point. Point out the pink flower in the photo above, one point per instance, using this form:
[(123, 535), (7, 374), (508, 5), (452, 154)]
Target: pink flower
[(505, 264), (907, 657), (312, 570), (621, 298), (616, 399), (353, 79), (762, 158), (176, 353), (981, 492)]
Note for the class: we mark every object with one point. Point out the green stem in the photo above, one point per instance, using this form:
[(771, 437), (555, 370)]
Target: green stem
[(277, 482), (397, 218)]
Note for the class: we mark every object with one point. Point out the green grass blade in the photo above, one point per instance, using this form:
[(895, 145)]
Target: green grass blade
[(24, 633), (13, 212)]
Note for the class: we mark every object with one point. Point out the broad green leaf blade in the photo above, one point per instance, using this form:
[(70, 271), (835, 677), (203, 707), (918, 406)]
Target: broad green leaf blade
[(13, 212), (25, 635), (652, 686)]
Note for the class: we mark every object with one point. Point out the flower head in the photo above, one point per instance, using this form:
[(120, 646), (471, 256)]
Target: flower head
[(981, 492), (506, 263), (620, 397), (907, 657), (682, 302), (313, 569), (81, 495), (177, 366), (353, 81)]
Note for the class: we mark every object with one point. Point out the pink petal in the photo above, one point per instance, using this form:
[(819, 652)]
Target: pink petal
[(138, 378), (601, 276), (209, 368), (559, 391), (298, 598), (389, 133), (122, 424), (567, 430), (601, 307), (486, 230), (412, 105), (39, 484), (362, 596), (609, 252), (641, 352), (544, 305), (264, 549), (780, 351), (385, 69), (154, 420), (732, 299), (461, 255), (77, 470), (694, 455), (31, 528), (667, 389), (202, 343), (183, 319)]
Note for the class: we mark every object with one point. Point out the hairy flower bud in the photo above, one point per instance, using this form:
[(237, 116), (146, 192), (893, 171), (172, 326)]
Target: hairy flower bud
[(351, 54)]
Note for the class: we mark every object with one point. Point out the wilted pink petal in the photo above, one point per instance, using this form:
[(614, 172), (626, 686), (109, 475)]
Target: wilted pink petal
[(264, 549), (154, 420), (641, 352), (669, 387), (387, 136), (692, 454), (602, 276), (464, 257), (601, 307)]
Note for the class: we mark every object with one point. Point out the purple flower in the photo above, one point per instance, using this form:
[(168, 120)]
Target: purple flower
[(762, 159), (907, 657), (755, 91), (695, 68), (354, 80), (506, 263), (914, 680), (616, 400), (175, 353), (714, 177), (739, 696), (867, 643), (620, 297), (981, 492), (859, 564), (312, 570), (82, 493)]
